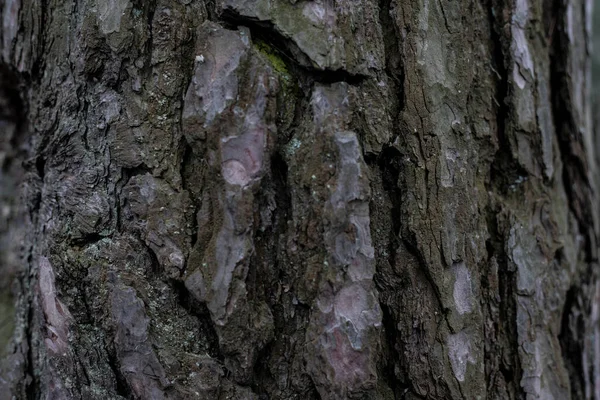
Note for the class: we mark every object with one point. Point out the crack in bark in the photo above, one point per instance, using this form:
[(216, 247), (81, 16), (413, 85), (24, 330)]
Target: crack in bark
[(578, 189), (185, 161), (297, 59), (38, 63), (122, 388), (152, 4), (572, 327), (32, 384), (200, 312), (502, 170), (388, 163), (575, 169), (394, 67)]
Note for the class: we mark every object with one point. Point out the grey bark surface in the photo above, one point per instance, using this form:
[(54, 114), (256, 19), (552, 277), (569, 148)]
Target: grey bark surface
[(298, 200)]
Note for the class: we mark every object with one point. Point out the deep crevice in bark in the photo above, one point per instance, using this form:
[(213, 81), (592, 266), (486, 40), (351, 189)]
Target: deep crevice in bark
[(279, 170), (130, 172), (200, 312), (392, 338), (279, 219), (575, 170), (193, 219), (155, 266), (32, 384), (388, 165), (298, 61), (38, 65), (579, 193), (394, 67), (505, 319), (87, 239), (503, 171), (80, 372), (122, 388), (572, 327), (260, 376), (126, 173)]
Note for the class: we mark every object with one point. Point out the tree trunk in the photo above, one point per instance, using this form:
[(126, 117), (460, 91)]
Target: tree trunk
[(298, 200)]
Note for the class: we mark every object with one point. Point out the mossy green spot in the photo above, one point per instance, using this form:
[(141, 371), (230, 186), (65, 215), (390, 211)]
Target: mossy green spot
[(274, 58)]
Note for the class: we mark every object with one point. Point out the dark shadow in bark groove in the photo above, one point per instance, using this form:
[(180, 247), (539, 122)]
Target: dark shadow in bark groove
[(570, 140), (579, 193), (201, 313), (129, 173), (155, 268), (504, 170), (388, 164), (283, 197), (278, 226), (505, 321), (122, 388), (260, 375), (151, 9), (38, 66), (121, 202), (572, 325), (394, 67), (30, 381), (391, 336), (298, 61), (81, 372)]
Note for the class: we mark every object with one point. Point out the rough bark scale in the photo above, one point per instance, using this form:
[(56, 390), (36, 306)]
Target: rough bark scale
[(314, 199)]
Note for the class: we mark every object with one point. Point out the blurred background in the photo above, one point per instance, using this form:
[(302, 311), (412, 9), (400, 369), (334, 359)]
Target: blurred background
[(596, 62), (596, 48)]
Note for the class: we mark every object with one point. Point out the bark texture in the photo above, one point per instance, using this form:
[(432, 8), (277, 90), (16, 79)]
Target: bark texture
[(255, 199)]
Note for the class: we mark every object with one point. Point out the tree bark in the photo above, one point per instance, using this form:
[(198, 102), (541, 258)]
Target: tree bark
[(298, 199)]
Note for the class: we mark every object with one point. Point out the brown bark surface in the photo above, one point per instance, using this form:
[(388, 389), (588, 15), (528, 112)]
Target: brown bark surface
[(281, 199)]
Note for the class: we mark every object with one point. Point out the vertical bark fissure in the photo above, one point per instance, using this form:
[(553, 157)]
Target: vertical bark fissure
[(572, 336), (578, 187), (394, 67), (122, 387), (32, 384), (151, 6), (38, 65), (502, 171), (387, 164), (186, 162), (200, 312), (575, 170)]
